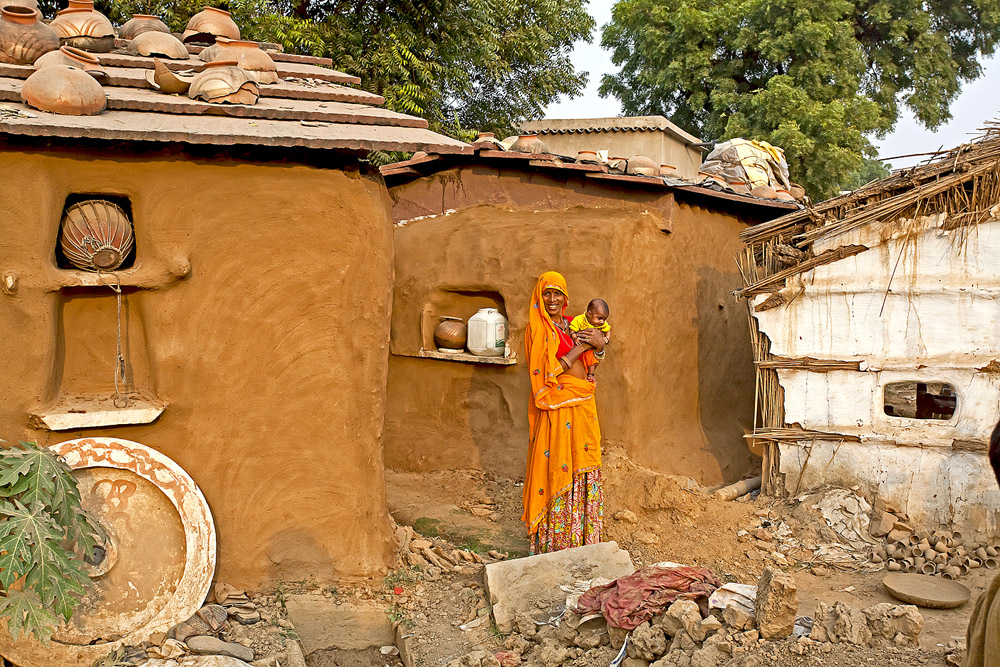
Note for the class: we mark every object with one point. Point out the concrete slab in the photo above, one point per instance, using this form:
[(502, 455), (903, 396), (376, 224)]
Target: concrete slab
[(321, 623), (528, 585)]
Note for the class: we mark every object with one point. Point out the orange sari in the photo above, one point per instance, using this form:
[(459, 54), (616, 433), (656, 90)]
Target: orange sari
[(562, 494)]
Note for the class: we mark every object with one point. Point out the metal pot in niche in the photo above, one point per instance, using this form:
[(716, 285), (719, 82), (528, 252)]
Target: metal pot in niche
[(96, 235), (450, 335)]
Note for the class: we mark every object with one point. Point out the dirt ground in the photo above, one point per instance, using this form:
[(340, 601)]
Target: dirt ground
[(656, 518)]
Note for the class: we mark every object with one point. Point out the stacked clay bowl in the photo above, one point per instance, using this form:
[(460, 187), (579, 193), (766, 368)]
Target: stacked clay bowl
[(248, 56)]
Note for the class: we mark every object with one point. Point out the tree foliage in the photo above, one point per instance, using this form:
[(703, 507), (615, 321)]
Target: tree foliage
[(483, 64), (820, 78), (43, 535)]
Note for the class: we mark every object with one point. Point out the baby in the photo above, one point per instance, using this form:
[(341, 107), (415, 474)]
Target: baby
[(596, 317)]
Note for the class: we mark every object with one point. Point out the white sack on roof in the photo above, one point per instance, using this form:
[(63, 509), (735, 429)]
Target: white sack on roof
[(756, 162)]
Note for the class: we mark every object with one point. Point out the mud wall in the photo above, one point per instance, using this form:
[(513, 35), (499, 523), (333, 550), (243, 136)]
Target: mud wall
[(257, 310), (677, 388), (658, 145)]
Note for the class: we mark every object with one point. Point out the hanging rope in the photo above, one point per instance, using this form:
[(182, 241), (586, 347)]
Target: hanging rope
[(121, 400)]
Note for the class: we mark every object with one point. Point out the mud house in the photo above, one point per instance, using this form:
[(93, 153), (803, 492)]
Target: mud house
[(654, 136), (475, 231), (875, 329), (253, 325)]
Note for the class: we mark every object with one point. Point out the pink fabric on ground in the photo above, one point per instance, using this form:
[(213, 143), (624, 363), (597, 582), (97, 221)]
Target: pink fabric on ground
[(629, 601)]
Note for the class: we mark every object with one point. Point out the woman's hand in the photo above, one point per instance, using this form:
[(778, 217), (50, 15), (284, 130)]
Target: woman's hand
[(592, 337)]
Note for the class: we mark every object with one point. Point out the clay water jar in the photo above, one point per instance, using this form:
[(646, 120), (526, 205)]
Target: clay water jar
[(163, 44), (669, 170), (784, 195), (451, 334), (140, 23), (23, 38), (208, 24), (86, 29), (30, 4), (766, 192), (68, 55), (96, 235), (64, 90), (529, 143), (248, 56), (588, 157), (223, 82), (739, 187)]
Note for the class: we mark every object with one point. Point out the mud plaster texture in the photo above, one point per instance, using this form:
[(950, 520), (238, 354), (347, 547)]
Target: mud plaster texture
[(257, 310), (677, 387)]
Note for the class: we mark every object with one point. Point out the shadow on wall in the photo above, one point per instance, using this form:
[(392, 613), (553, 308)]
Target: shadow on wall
[(725, 373)]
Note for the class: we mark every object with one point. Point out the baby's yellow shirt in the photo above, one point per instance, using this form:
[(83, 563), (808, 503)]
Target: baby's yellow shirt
[(580, 322)]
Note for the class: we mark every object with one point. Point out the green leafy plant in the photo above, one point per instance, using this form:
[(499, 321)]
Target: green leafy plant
[(44, 534)]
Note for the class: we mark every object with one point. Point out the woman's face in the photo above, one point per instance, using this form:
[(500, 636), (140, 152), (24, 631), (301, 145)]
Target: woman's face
[(554, 301)]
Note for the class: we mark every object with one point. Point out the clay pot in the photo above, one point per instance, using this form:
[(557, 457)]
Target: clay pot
[(876, 557), (86, 29), (141, 23), (165, 80), (617, 163), (951, 572), (991, 563), (451, 334), (991, 552), (640, 165), (588, 157), (248, 56), (669, 170), (928, 568), (23, 38), (208, 24), (163, 44), (784, 195), (68, 55), (766, 192), (64, 90), (529, 143), (96, 235), (739, 187), (893, 566), (224, 82), (30, 4)]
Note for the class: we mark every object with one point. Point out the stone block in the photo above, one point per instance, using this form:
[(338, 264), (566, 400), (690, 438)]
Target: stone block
[(321, 624), (777, 604), (528, 585)]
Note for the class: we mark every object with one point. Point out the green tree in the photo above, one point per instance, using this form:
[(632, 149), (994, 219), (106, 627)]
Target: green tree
[(820, 78), (473, 64)]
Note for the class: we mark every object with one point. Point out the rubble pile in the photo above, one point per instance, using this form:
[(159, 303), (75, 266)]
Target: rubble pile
[(434, 556), (687, 634)]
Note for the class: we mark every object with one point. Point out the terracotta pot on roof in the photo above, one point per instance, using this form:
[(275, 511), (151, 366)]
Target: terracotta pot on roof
[(64, 90), (640, 165), (165, 80), (529, 143), (223, 82), (86, 29), (248, 56), (30, 4), (140, 23), (23, 38), (163, 44), (210, 23), (68, 55)]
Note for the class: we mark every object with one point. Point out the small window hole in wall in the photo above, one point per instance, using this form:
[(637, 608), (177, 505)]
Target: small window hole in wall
[(96, 233), (920, 400)]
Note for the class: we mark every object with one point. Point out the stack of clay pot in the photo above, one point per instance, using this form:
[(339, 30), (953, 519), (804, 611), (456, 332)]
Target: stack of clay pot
[(943, 553)]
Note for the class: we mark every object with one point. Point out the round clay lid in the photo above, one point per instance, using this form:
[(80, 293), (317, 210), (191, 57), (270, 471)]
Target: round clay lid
[(926, 591)]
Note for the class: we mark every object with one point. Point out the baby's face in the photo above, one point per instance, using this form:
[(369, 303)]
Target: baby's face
[(596, 316)]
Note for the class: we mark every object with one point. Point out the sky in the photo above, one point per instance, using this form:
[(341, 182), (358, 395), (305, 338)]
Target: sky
[(973, 107)]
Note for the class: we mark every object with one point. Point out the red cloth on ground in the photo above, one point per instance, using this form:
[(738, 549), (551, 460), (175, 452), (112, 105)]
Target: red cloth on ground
[(630, 601)]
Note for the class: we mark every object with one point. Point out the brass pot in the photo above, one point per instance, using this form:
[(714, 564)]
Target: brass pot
[(23, 38), (86, 29), (68, 55), (153, 43), (64, 90), (210, 23), (140, 23), (248, 56), (224, 82), (96, 235)]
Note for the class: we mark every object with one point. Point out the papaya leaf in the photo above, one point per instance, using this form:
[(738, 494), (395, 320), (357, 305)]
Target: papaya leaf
[(57, 579), (19, 533), (26, 615)]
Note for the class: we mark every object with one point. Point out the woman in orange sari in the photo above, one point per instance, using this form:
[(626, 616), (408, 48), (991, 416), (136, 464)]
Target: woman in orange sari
[(563, 503)]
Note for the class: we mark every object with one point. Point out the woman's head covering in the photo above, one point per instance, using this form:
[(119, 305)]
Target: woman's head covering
[(548, 280)]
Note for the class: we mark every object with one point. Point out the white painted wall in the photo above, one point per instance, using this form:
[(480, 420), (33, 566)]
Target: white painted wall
[(922, 304)]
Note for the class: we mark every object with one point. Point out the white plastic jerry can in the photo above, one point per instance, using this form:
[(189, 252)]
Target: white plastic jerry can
[(487, 333)]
